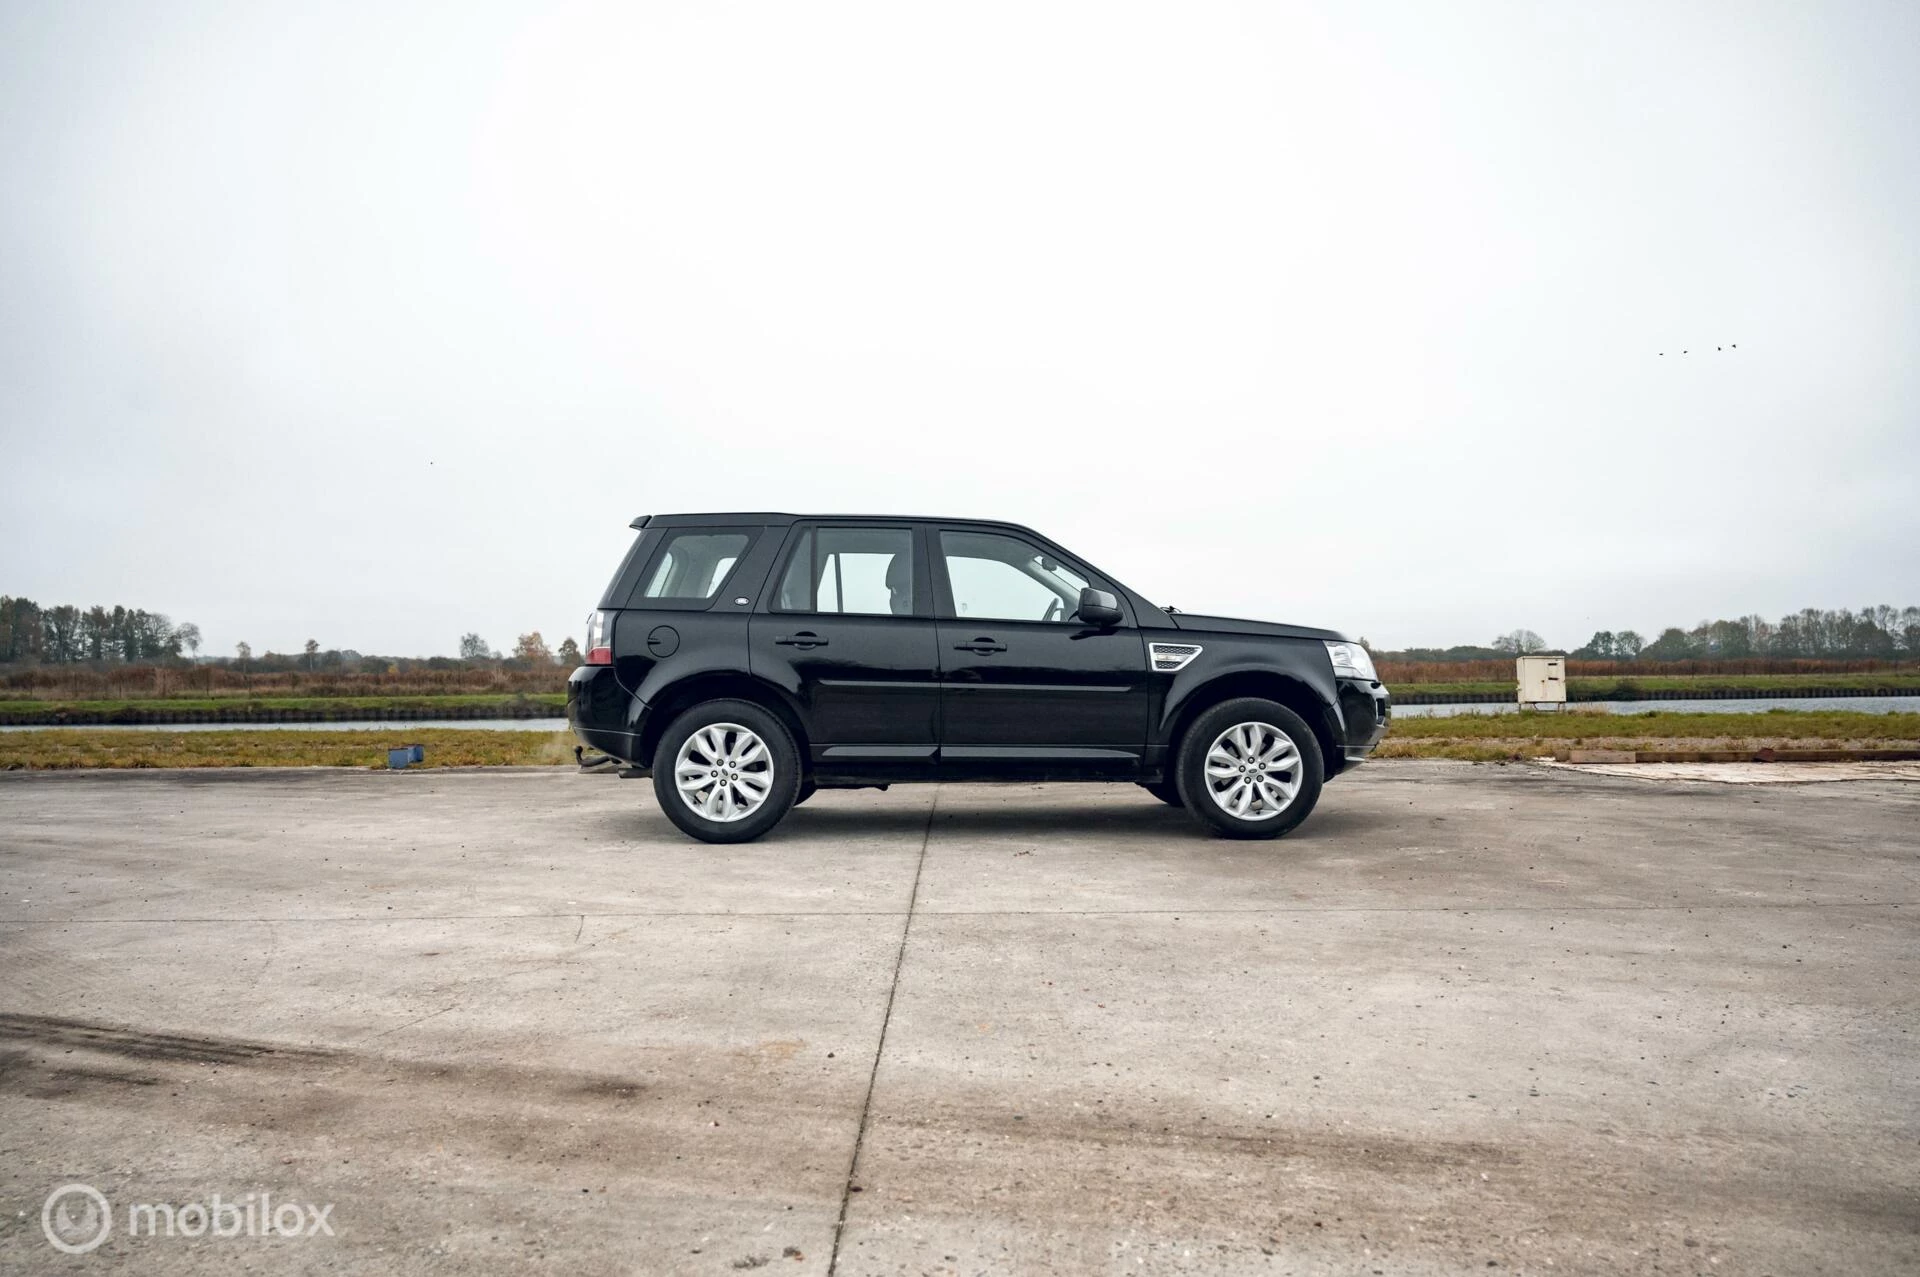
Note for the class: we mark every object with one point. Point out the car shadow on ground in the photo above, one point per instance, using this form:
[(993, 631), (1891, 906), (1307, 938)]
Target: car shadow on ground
[(852, 814), (1049, 818), (1010, 820)]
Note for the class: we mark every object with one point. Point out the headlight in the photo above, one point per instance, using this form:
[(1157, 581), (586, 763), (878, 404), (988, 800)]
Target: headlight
[(1350, 660)]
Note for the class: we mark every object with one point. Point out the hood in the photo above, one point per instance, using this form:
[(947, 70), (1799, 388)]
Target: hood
[(1235, 625)]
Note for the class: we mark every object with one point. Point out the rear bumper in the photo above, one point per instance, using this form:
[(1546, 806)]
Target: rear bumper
[(1366, 708), (603, 716)]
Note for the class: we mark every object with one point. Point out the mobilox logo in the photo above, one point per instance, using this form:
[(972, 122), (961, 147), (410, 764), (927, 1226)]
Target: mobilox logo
[(77, 1217)]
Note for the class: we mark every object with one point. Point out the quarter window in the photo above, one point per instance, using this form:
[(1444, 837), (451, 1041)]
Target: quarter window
[(1003, 578), (857, 571), (694, 563)]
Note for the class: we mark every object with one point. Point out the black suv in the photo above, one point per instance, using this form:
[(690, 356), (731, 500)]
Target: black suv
[(746, 660)]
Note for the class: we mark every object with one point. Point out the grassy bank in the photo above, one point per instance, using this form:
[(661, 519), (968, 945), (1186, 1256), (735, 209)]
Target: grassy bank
[(319, 709), (64, 748), (1526, 735)]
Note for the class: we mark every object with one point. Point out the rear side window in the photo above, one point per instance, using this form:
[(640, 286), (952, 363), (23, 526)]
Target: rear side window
[(855, 571), (694, 563)]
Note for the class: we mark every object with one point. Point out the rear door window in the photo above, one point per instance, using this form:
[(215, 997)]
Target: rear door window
[(853, 571)]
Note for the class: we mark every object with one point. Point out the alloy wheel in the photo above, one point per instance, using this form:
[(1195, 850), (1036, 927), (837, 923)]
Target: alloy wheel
[(724, 772), (1253, 771)]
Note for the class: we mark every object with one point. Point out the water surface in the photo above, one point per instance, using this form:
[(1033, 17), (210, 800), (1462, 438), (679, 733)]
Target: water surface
[(1757, 705)]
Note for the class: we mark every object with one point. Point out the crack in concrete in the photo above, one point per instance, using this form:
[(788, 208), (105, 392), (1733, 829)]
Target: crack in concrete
[(886, 1020)]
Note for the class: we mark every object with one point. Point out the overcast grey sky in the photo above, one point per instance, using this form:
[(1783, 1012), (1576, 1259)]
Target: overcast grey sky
[(377, 323)]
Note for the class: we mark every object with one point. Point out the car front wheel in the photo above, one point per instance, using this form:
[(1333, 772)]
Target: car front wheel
[(1250, 768), (726, 771)]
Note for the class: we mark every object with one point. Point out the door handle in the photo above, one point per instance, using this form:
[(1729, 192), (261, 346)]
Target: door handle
[(980, 647), (805, 638)]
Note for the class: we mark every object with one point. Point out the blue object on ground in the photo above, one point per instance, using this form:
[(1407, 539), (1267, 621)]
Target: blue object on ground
[(397, 758), (419, 753)]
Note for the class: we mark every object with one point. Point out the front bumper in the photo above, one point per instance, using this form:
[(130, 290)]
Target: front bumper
[(602, 714), (1366, 708)]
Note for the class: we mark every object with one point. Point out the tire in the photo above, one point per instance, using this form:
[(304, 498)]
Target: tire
[(1277, 733), (1167, 791), (807, 790), (765, 781)]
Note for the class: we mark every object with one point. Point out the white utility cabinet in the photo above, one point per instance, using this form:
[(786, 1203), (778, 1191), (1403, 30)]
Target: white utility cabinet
[(1543, 680)]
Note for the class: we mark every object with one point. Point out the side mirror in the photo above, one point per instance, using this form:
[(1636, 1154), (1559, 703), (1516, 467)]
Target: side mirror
[(1098, 608)]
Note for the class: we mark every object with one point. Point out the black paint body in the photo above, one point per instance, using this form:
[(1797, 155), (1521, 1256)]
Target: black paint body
[(930, 696)]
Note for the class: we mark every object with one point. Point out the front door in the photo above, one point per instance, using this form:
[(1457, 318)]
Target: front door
[(1026, 688), (849, 632)]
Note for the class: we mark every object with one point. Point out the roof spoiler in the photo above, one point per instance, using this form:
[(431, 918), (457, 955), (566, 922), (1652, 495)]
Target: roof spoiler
[(640, 522)]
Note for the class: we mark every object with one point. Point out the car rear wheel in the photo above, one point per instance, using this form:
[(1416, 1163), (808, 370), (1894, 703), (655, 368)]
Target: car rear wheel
[(1250, 768), (726, 771)]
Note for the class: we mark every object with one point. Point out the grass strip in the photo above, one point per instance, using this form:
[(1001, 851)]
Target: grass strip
[(65, 748), (1523, 747), (1491, 737)]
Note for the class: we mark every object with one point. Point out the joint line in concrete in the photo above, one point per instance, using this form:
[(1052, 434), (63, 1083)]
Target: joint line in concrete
[(886, 1020)]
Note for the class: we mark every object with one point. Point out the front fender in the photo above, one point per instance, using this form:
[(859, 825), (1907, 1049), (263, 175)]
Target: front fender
[(1295, 673)]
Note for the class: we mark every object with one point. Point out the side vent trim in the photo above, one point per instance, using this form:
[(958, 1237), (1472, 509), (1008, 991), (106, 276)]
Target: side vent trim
[(1171, 658)]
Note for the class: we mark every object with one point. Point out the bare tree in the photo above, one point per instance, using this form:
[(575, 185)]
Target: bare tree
[(1520, 642), (313, 651), (189, 636)]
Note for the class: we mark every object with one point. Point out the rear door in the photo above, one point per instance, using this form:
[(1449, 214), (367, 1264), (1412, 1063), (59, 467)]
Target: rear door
[(847, 629), (1027, 688)]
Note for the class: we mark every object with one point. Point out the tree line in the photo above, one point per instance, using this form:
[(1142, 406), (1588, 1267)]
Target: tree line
[(1872, 633), (67, 634), (528, 649), (1882, 632)]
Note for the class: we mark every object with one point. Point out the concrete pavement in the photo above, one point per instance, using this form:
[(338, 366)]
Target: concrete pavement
[(1466, 1018)]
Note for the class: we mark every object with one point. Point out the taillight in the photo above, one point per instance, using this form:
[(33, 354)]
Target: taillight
[(600, 638)]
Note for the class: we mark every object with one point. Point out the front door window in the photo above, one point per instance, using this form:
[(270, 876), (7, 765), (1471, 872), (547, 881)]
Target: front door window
[(1002, 578)]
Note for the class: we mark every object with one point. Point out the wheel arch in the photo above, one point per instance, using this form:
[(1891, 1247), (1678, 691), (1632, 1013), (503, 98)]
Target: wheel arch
[(672, 700), (1296, 694)]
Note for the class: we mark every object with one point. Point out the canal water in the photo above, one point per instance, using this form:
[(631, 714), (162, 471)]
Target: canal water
[(1757, 705)]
